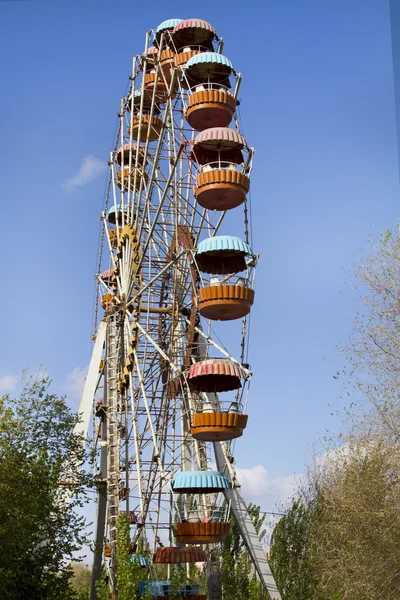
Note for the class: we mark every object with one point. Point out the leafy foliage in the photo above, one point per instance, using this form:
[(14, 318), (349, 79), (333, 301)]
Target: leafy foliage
[(39, 527), (80, 581), (340, 539), (355, 541), (373, 350), (128, 572), (290, 556)]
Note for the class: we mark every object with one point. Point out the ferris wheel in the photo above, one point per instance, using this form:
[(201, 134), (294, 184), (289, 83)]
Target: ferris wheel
[(166, 396)]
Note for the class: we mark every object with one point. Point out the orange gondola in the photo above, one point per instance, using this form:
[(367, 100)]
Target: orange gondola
[(218, 426), (223, 302)]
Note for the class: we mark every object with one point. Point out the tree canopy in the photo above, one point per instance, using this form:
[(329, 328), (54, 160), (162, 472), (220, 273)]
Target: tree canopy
[(340, 537), (42, 483)]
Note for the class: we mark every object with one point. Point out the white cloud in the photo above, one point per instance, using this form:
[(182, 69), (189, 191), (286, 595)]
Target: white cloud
[(8, 383), (270, 492), (89, 170), (257, 483), (283, 487), (75, 381), (254, 481)]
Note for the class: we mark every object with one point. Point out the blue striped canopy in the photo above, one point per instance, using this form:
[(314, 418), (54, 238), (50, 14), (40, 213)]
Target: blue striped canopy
[(141, 559), (155, 588), (220, 243), (168, 24), (209, 58), (199, 482), (119, 209), (162, 588)]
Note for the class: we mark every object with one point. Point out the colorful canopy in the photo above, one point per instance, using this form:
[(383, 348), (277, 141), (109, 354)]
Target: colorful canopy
[(215, 366), (193, 24), (111, 213), (141, 559), (151, 50), (108, 274), (174, 554), (222, 254), (219, 139), (223, 243), (209, 67), (119, 209), (209, 58), (199, 482), (215, 375), (194, 32), (168, 24)]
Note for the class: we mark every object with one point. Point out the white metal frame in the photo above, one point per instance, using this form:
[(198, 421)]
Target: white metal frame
[(146, 329)]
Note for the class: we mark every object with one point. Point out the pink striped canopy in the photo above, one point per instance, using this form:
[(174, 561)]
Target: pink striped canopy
[(109, 274), (219, 138), (194, 24), (151, 50), (194, 32), (215, 375), (215, 366)]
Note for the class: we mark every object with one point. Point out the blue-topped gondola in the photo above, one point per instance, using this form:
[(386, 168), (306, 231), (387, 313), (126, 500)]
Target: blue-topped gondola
[(210, 104), (223, 243), (222, 254), (199, 482), (209, 68), (209, 58), (111, 214), (167, 25)]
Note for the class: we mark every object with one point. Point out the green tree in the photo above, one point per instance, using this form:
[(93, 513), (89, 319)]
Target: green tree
[(355, 541), (80, 581), (340, 539), (129, 572), (290, 551), (39, 526), (177, 579), (373, 349)]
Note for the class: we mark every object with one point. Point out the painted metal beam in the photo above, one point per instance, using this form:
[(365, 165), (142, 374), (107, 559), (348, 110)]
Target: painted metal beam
[(89, 388), (247, 530), (101, 503)]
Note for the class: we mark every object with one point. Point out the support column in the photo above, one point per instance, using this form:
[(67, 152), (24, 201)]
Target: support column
[(113, 442), (213, 572), (247, 531), (101, 510)]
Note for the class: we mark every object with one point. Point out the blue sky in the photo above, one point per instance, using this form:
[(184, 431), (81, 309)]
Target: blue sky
[(317, 105)]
